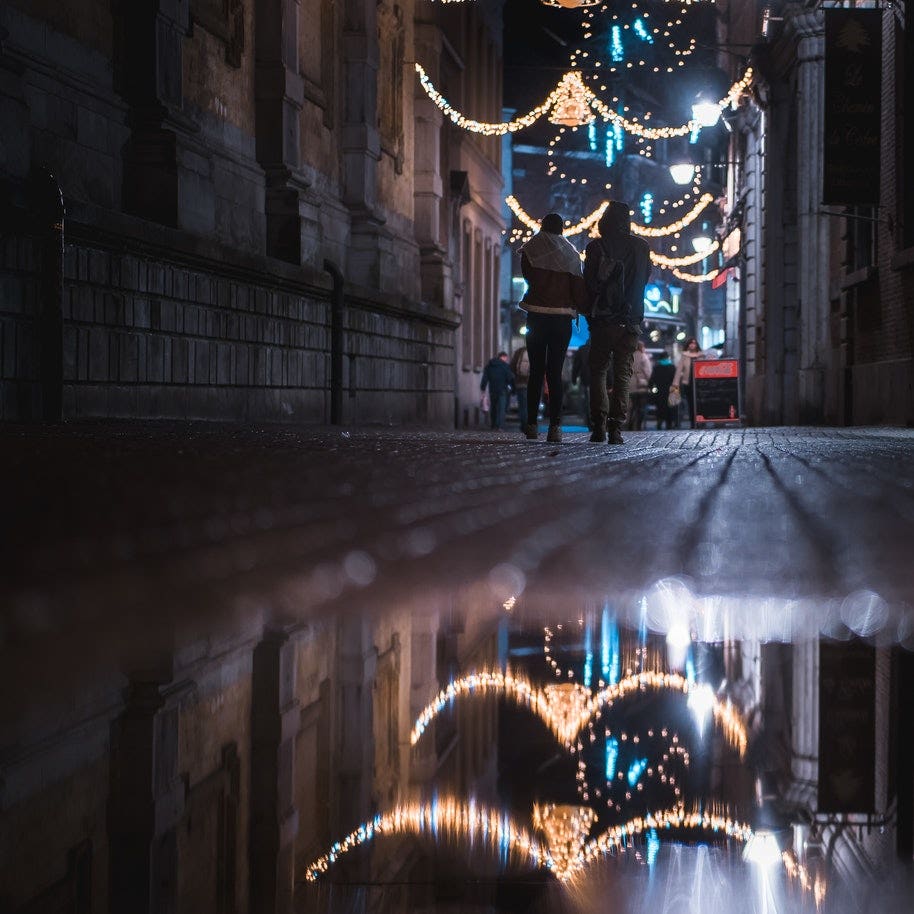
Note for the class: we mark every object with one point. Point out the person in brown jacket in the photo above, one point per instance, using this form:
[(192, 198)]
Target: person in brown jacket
[(556, 292)]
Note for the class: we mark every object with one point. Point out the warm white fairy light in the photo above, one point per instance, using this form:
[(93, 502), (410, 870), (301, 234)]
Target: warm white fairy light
[(687, 259), (571, 82), (694, 277), (589, 222), (448, 817)]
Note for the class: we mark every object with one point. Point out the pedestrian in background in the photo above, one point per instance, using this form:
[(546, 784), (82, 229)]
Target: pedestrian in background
[(520, 366), (616, 270), (660, 382), (639, 389), (555, 293), (682, 381), (499, 378), (580, 372)]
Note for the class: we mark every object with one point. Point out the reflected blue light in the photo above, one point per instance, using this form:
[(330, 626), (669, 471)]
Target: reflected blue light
[(592, 136), (612, 757), (588, 655), (653, 846), (635, 770), (690, 666), (610, 661)]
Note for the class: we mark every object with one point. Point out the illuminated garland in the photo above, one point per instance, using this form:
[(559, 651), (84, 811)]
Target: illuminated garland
[(567, 708), (695, 277), (687, 259), (591, 220), (445, 816), (568, 852), (570, 82)]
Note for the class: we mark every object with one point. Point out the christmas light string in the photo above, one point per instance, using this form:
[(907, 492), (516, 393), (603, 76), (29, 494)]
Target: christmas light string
[(590, 221), (570, 86), (694, 277), (447, 816)]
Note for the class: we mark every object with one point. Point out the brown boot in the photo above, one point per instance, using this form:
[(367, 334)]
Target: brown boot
[(554, 435)]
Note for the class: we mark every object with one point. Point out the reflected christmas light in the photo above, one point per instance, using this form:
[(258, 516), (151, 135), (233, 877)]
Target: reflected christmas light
[(447, 818), (567, 708), (566, 829)]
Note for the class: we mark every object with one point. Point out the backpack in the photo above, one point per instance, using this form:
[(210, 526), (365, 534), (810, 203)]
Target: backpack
[(609, 302)]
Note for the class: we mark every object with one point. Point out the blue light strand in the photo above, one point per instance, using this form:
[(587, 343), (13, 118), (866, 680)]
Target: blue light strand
[(647, 207), (616, 50), (653, 846), (642, 32)]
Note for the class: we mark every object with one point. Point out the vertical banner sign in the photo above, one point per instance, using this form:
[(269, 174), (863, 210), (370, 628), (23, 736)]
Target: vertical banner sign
[(715, 386), (847, 727), (853, 91)]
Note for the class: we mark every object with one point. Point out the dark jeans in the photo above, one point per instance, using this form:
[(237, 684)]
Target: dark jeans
[(610, 344), (666, 414), (638, 404), (498, 405), (548, 336), (685, 391)]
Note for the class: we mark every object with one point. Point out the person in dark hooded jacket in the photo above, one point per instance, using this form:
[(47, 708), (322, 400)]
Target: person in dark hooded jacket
[(499, 378), (616, 269)]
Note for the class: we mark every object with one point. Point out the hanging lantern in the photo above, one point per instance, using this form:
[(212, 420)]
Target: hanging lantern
[(570, 4), (572, 103)]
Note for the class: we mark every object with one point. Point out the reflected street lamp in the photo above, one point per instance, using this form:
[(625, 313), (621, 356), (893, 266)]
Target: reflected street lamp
[(682, 172), (701, 243)]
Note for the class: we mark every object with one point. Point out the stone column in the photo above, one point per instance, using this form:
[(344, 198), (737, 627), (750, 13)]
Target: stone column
[(429, 183), (360, 140), (147, 798), (805, 716), (292, 220), (167, 174), (812, 224), (354, 755), (275, 718)]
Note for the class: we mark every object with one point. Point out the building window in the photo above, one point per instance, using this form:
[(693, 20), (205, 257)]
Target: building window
[(467, 298), (860, 238)]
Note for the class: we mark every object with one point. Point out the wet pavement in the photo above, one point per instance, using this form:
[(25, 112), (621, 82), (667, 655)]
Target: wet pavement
[(519, 676)]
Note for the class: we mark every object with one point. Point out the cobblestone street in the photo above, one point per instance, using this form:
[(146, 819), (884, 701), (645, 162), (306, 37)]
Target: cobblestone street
[(781, 528)]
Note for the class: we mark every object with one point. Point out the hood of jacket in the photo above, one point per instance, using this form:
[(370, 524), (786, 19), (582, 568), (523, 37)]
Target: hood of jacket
[(615, 221)]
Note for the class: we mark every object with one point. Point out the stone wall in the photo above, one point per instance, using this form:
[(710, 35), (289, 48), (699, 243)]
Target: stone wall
[(212, 157)]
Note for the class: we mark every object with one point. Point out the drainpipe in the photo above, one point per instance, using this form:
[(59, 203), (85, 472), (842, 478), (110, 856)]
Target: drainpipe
[(50, 211), (336, 343)]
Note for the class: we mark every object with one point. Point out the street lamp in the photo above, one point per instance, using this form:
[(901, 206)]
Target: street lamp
[(682, 172), (706, 113)]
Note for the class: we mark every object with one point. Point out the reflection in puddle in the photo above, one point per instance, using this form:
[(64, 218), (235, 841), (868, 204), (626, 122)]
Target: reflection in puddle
[(450, 761)]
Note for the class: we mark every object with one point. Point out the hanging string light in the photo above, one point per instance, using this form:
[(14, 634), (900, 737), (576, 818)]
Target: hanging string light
[(687, 259), (589, 222), (571, 86), (694, 277)]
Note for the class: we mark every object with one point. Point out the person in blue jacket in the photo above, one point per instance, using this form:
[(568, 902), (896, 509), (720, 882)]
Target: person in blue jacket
[(499, 378)]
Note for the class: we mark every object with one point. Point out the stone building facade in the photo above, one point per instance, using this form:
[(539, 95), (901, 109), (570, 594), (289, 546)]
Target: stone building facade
[(207, 776), (247, 209), (821, 304)]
